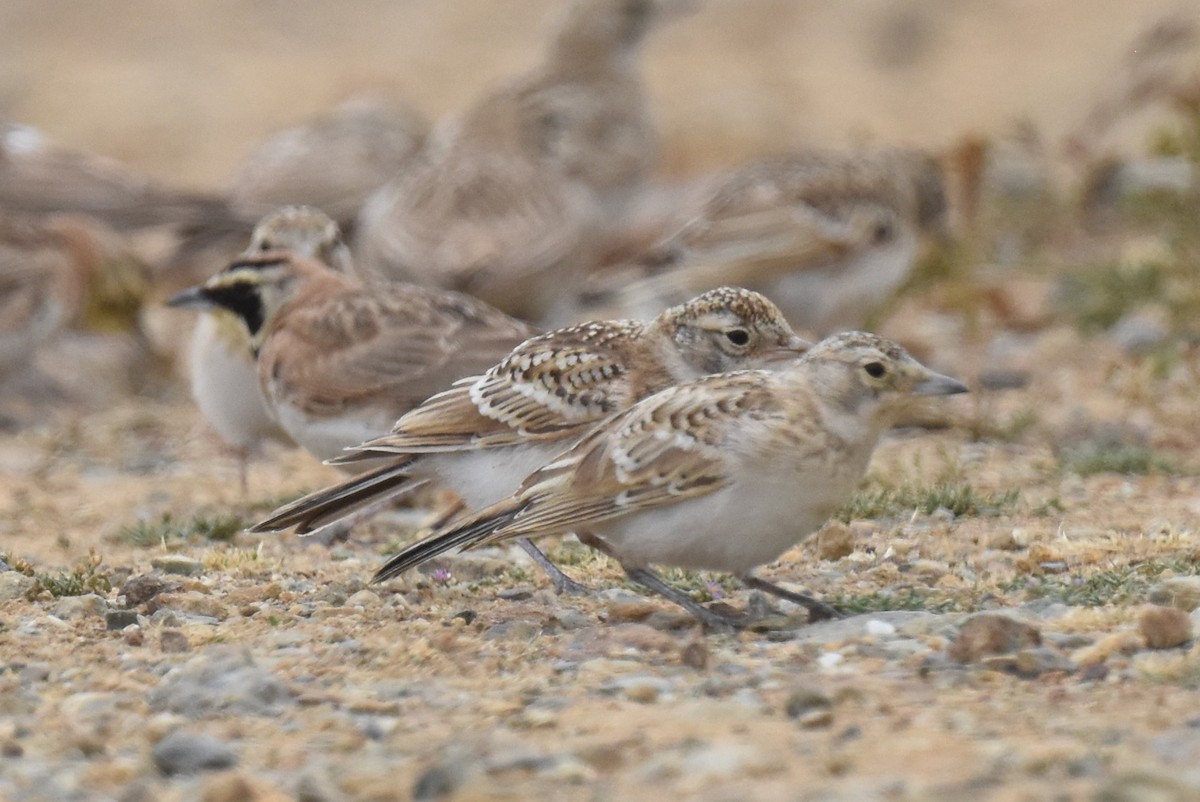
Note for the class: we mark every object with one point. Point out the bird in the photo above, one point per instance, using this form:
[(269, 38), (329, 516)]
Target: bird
[(332, 162), (482, 436), (38, 177), (722, 473), (827, 235), (56, 270), (339, 359), (222, 371), (508, 201)]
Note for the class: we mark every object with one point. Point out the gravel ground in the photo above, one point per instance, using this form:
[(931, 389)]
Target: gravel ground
[(1020, 574)]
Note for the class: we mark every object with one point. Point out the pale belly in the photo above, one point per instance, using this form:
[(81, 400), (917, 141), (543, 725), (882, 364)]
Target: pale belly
[(225, 385), (485, 476), (737, 528)]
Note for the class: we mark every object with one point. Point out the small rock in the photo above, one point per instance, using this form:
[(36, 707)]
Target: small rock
[(34, 672), (172, 641), (880, 629), (74, 608), (1139, 331), (989, 634), (1178, 591), (440, 780), (178, 564), (623, 611), (230, 787), (255, 593), (138, 590), (806, 700), (217, 682), (695, 655), (14, 585), (1164, 627), (133, 635), (728, 761), (1042, 660), (366, 599), (643, 688), (1123, 642), (1004, 540), (835, 541), (515, 594), (190, 753), (117, 620), (512, 630), (569, 618), (193, 603)]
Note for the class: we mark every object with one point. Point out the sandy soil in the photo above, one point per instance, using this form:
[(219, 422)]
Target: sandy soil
[(224, 666)]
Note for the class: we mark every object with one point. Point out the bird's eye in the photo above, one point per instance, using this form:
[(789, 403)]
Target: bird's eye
[(738, 336), (882, 232), (875, 369), (265, 245)]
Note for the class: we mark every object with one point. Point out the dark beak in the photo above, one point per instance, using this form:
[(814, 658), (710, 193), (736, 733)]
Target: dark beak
[(191, 298), (937, 384)]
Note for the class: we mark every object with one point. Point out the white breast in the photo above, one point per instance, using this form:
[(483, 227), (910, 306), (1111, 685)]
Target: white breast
[(225, 385)]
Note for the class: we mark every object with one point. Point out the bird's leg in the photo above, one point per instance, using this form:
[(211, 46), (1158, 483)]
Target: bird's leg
[(817, 610), (562, 583), (710, 619)]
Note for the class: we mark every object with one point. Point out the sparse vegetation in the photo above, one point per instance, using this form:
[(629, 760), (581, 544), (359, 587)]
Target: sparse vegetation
[(165, 531), (903, 599), (1127, 584), (1124, 458), (958, 498), (86, 577)]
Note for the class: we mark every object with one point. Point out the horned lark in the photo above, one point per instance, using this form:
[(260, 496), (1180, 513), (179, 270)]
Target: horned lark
[(221, 364), (39, 177), (827, 236), (333, 162), (507, 202), (339, 360), (723, 473), (482, 436)]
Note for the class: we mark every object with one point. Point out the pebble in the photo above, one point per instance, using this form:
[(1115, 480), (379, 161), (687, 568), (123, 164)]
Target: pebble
[(183, 752), (643, 688), (117, 620), (140, 589), (857, 626), (988, 634), (1178, 591), (695, 655), (229, 787), (880, 629), (835, 541), (74, 608), (193, 603), (133, 635), (172, 641), (178, 564), (512, 630), (366, 599), (14, 585), (220, 681), (1164, 627), (806, 700)]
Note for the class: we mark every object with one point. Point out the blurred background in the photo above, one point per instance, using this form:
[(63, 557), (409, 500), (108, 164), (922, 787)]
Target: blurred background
[(182, 90)]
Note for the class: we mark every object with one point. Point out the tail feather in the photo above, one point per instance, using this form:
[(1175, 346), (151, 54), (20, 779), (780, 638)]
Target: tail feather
[(330, 504), (464, 535)]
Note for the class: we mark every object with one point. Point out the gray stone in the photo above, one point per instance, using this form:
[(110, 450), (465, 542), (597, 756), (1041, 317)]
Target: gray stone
[(190, 753), (72, 608), (141, 589), (858, 626), (218, 682), (14, 585), (117, 620)]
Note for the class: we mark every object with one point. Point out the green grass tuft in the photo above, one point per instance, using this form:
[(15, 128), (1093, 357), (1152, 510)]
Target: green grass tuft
[(220, 527), (959, 498), (1120, 585), (82, 579), (1123, 458)]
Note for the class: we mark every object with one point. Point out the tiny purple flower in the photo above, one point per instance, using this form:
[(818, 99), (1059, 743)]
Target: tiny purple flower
[(441, 575), (715, 592)]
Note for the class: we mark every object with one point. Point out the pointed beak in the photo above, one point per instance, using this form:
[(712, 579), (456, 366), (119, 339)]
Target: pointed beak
[(938, 384), (191, 298), (794, 348)]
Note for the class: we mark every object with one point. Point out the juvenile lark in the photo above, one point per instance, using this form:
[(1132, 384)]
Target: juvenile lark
[(481, 437), (221, 364), (723, 473), (827, 236), (338, 360), (506, 202)]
